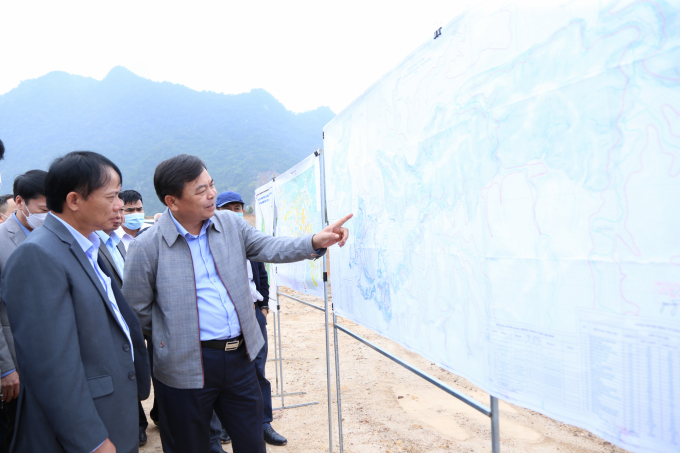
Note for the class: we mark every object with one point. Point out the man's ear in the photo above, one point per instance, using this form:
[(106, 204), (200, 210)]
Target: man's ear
[(72, 201), (171, 203)]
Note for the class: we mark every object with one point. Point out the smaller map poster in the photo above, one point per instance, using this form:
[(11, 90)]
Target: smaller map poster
[(298, 213), (264, 222)]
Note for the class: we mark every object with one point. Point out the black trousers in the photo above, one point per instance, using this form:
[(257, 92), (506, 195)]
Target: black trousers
[(260, 362), (143, 423), (231, 390), (167, 441), (7, 422)]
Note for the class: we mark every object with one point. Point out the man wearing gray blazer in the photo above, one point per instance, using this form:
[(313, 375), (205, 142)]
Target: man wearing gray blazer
[(186, 278), (29, 193), (79, 346)]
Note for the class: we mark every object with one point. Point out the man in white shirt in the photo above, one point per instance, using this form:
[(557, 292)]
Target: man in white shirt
[(133, 216), (113, 251)]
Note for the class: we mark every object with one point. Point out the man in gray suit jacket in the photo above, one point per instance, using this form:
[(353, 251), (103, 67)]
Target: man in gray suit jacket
[(29, 193), (79, 346), (187, 280)]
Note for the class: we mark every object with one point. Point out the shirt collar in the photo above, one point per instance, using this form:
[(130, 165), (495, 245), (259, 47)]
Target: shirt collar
[(26, 230), (106, 238), (181, 230), (120, 232), (86, 243)]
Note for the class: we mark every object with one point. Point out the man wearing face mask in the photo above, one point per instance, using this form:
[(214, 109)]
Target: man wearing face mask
[(29, 190), (133, 216)]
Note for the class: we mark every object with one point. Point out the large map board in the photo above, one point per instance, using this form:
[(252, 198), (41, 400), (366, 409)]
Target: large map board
[(298, 213), (264, 222), (515, 184)]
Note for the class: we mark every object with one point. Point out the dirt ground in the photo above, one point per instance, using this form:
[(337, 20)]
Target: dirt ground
[(386, 408)]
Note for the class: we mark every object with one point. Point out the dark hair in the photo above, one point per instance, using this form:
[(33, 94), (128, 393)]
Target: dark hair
[(173, 173), (30, 185), (78, 171), (2, 150), (130, 196), (3, 202)]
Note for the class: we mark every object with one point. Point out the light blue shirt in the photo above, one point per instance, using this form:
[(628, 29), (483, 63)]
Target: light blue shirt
[(27, 232), (217, 316), (111, 243), (90, 246)]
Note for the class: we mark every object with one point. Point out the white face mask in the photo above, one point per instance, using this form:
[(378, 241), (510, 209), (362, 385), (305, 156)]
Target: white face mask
[(35, 220)]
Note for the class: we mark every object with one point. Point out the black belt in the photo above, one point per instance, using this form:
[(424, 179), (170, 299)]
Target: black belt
[(225, 345)]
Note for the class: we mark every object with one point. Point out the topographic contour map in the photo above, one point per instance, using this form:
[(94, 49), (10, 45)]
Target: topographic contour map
[(515, 184), (298, 213)]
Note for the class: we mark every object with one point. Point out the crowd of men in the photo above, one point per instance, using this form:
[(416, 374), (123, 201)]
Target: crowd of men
[(96, 305)]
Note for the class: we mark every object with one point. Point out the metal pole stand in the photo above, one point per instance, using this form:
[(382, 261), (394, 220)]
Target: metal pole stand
[(495, 427), (491, 412), (328, 359), (278, 365), (278, 356)]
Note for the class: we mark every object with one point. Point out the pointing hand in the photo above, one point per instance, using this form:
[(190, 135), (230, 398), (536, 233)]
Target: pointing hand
[(333, 234)]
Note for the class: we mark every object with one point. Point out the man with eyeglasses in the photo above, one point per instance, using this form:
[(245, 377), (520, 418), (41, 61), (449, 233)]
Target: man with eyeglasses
[(133, 212)]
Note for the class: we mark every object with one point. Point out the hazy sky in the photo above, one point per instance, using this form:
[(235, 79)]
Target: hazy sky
[(306, 53)]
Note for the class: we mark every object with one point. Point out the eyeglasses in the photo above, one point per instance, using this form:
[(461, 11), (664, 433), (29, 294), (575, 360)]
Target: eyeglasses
[(131, 210)]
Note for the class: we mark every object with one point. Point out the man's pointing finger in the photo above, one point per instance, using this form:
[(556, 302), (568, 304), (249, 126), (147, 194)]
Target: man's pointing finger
[(340, 222)]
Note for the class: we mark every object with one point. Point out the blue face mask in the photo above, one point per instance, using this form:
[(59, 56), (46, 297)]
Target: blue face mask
[(134, 221), (240, 214)]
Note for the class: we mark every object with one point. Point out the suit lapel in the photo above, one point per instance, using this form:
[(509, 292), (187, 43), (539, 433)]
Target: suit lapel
[(15, 232), (77, 251), (105, 270), (121, 249), (104, 252), (65, 235)]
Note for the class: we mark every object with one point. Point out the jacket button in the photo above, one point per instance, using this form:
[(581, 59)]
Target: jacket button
[(126, 347), (132, 376)]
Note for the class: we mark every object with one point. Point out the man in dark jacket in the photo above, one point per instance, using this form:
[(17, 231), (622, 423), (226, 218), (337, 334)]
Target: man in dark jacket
[(259, 287), (79, 345)]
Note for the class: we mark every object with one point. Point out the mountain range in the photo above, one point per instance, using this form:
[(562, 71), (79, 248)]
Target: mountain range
[(137, 123)]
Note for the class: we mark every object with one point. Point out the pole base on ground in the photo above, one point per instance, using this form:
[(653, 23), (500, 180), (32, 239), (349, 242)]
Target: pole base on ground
[(295, 405)]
